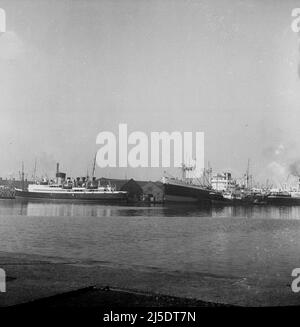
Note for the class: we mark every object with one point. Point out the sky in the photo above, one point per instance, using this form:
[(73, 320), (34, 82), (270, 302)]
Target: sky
[(72, 69)]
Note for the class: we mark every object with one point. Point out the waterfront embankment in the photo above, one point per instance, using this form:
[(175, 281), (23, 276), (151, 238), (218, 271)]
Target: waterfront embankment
[(59, 282)]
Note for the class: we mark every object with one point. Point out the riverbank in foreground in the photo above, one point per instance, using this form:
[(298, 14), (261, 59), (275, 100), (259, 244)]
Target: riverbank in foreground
[(61, 282)]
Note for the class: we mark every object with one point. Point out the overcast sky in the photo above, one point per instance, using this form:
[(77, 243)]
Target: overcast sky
[(71, 69)]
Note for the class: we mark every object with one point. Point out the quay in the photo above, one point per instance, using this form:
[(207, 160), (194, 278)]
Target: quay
[(58, 282)]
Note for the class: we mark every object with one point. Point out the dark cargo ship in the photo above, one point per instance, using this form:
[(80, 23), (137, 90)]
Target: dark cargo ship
[(178, 191)]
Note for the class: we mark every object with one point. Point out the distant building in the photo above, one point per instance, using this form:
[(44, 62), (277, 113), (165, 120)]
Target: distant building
[(134, 190), (153, 192), (223, 182), (137, 190)]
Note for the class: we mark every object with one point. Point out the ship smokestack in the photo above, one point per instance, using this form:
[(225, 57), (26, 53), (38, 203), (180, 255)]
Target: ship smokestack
[(57, 172)]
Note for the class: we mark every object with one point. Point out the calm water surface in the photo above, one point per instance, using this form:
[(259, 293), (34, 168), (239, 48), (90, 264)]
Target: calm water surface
[(252, 242)]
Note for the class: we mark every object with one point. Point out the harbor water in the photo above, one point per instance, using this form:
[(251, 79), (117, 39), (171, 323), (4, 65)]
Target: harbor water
[(257, 243)]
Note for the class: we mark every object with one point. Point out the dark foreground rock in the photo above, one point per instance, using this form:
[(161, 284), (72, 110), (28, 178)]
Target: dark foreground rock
[(91, 297)]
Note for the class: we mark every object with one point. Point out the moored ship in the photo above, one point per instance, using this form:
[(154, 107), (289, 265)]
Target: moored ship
[(180, 191), (52, 191), (190, 189), (283, 198), (219, 189), (81, 189)]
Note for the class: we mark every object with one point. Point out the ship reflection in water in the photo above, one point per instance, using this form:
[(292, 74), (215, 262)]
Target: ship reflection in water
[(67, 209), (258, 244)]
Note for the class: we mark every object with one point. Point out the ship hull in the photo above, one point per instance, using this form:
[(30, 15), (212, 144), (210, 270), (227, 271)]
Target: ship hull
[(245, 201), (73, 196), (186, 193), (278, 200)]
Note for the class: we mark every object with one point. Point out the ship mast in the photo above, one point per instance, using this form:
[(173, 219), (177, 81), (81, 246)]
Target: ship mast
[(249, 178), (247, 174), (22, 176), (34, 171), (94, 166)]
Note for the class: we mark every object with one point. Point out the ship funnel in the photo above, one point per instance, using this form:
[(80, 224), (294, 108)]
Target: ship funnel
[(59, 176)]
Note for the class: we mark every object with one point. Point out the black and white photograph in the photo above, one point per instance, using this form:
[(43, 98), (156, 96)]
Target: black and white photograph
[(149, 158)]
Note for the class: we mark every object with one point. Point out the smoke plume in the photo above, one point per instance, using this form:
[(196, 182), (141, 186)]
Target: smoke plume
[(294, 168)]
